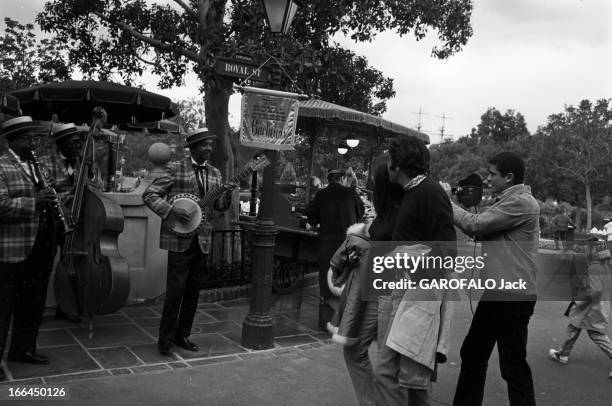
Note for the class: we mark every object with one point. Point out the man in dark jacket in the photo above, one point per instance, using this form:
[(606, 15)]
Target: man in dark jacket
[(334, 208), (425, 216)]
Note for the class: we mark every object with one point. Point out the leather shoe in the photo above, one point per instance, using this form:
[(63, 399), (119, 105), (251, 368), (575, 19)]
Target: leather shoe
[(185, 343), (165, 349), (61, 315), (28, 358)]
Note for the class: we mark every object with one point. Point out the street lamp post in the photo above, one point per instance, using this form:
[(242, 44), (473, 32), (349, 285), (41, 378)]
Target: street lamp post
[(258, 326)]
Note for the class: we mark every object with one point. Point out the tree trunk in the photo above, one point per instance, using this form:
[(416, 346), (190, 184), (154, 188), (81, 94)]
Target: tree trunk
[(589, 207), (216, 101), (578, 219)]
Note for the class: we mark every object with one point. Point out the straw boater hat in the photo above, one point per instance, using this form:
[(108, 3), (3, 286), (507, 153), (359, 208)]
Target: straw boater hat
[(18, 125), (65, 130), (198, 135)]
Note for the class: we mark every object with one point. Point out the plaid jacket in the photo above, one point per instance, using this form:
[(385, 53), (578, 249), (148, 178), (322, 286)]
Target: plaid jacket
[(58, 174), (180, 178), (19, 216)]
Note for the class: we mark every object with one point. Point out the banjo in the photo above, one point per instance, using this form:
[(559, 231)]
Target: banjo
[(194, 205)]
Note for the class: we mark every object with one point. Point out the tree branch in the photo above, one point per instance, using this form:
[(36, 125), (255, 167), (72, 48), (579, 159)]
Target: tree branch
[(144, 60), (187, 9), (148, 40)]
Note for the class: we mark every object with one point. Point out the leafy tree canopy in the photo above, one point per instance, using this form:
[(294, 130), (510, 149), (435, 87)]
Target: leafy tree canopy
[(497, 127), (126, 36), (27, 60)]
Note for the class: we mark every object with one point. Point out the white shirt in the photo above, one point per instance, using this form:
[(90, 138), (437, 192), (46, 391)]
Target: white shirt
[(69, 168), (25, 165), (608, 230), (199, 173)]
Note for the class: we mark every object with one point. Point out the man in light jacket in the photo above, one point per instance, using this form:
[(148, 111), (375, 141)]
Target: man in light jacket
[(509, 231)]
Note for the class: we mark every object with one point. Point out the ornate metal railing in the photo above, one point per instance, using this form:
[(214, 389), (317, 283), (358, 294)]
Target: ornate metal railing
[(230, 260)]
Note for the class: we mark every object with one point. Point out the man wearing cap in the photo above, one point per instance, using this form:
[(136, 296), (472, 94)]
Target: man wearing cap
[(27, 244), (334, 208), (187, 256), (63, 168)]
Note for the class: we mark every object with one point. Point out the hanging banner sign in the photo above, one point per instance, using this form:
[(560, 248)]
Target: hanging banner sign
[(268, 119)]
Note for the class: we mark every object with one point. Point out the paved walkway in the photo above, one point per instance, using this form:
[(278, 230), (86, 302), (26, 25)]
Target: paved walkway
[(119, 364), (126, 342)]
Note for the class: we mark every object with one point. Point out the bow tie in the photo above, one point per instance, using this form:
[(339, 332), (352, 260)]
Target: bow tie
[(200, 167)]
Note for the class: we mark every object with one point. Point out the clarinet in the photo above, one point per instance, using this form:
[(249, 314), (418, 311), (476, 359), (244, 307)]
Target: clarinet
[(56, 205)]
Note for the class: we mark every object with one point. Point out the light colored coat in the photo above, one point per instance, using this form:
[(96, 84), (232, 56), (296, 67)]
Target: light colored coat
[(510, 234), (421, 326)]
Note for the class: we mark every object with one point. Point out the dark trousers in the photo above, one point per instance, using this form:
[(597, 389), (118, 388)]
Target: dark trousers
[(23, 293), (504, 323), (184, 277)]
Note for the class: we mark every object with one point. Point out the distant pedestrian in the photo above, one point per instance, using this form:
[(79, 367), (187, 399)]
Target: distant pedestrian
[(591, 310), (562, 227), (334, 208)]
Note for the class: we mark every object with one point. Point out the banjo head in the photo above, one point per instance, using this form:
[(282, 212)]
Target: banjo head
[(188, 202)]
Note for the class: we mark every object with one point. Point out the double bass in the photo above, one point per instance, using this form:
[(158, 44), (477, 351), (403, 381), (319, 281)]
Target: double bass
[(92, 278)]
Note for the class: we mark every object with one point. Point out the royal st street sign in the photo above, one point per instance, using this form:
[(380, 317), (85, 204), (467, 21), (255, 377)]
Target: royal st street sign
[(241, 67)]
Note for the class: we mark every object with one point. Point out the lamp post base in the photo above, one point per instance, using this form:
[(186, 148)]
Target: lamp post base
[(258, 331)]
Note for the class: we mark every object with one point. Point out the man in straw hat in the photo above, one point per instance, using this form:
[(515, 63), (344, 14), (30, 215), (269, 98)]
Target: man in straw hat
[(27, 244), (63, 167), (187, 256)]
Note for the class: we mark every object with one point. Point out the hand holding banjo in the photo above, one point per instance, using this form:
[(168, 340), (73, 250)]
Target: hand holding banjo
[(188, 208)]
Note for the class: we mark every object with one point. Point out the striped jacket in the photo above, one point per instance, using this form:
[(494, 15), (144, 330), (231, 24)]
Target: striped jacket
[(180, 178), (19, 215)]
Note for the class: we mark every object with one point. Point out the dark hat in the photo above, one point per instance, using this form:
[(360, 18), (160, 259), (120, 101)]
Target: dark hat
[(18, 125), (334, 175), (198, 135), (65, 130)]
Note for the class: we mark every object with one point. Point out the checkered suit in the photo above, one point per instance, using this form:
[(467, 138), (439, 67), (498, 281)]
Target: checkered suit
[(63, 184), (180, 178), (19, 216)]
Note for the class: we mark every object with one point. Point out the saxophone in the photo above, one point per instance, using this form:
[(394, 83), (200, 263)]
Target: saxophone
[(56, 205)]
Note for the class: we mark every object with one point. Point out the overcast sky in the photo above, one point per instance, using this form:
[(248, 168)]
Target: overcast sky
[(532, 56)]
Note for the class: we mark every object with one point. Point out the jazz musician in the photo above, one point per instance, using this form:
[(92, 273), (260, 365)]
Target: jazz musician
[(187, 257), (27, 245), (63, 168)]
